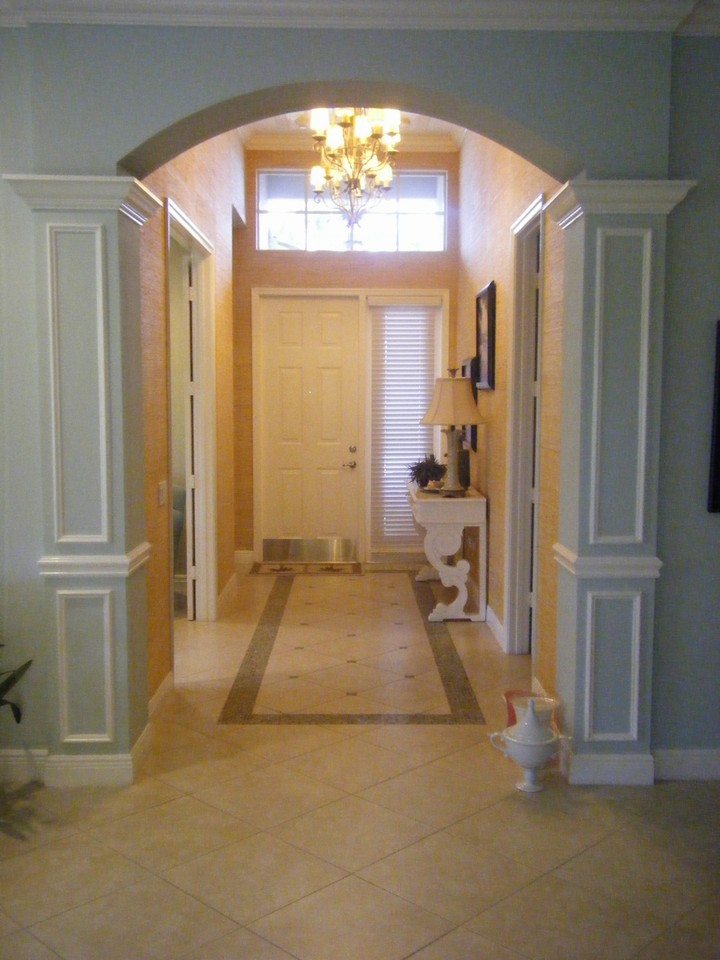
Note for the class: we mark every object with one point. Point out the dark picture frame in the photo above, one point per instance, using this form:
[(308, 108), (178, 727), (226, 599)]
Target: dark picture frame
[(714, 485), (485, 337), (470, 371)]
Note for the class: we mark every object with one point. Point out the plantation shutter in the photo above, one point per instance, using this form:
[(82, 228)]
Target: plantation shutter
[(404, 350)]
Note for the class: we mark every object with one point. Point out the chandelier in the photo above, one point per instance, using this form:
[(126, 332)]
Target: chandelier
[(356, 148)]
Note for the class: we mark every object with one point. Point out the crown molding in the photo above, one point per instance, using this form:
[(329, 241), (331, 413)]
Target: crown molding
[(580, 197), (124, 194), (683, 16)]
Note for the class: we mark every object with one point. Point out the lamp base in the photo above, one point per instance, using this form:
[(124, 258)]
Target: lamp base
[(452, 491)]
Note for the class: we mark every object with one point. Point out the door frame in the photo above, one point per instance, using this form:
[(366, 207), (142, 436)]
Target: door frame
[(365, 297), (519, 464), (181, 228)]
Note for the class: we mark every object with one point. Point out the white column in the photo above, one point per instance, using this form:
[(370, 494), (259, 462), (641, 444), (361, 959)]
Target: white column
[(87, 235), (614, 285)]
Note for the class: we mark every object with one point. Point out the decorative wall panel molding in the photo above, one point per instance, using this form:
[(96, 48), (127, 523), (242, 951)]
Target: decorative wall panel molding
[(612, 665), (607, 567), (95, 565), (79, 378), (620, 385), (85, 633)]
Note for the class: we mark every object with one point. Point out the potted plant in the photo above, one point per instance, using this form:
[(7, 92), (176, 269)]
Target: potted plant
[(426, 470), (8, 679)]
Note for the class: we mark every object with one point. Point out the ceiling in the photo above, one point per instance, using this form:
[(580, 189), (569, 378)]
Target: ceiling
[(695, 17)]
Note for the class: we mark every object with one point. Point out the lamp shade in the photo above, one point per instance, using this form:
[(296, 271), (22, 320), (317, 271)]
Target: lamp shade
[(452, 403)]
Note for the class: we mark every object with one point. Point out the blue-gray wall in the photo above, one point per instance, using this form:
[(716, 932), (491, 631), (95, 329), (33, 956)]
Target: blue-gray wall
[(686, 698)]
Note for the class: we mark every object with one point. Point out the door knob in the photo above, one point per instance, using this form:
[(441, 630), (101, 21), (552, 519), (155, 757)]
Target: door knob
[(352, 464)]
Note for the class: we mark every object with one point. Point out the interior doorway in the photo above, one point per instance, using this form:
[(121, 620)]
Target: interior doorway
[(192, 430), (523, 484)]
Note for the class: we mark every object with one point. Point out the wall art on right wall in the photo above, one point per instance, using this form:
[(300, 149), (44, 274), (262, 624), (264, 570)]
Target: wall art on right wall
[(485, 336), (714, 488)]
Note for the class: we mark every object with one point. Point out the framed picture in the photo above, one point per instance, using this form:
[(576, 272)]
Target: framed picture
[(714, 486), (470, 370), (485, 337)]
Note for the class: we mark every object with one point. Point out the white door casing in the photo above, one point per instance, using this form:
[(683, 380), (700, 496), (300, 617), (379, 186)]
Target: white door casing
[(200, 415)]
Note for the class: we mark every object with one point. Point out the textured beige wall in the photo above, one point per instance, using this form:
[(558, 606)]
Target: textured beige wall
[(274, 268), (496, 187), (207, 184)]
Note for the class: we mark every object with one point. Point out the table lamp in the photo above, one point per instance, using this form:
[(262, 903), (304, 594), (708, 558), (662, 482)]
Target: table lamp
[(452, 404)]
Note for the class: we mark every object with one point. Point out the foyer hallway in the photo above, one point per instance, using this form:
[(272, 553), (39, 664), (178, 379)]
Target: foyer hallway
[(336, 840)]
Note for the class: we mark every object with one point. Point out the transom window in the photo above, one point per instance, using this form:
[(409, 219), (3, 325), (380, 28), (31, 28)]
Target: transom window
[(410, 217)]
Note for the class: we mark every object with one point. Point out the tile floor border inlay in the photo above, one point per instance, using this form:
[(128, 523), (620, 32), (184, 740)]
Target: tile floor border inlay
[(240, 704)]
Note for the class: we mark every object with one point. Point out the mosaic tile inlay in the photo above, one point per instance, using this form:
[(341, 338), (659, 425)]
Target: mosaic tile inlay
[(399, 673)]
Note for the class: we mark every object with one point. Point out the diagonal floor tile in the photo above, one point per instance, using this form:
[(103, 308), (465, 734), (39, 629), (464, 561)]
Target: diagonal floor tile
[(172, 833), (351, 833), (352, 765), (451, 876), (351, 920), (152, 920), (270, 796), (254, 877), (60, 876)]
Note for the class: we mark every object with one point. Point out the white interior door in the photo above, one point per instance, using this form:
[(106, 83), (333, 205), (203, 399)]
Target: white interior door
[(308, 418)]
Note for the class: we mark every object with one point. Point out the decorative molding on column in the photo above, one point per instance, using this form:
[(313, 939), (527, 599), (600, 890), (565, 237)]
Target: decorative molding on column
[(607, 567), (604, 650), (626, 769), (95, 565), (623, 292), (86, 652), (78, 354), (578, 197), (125, 194)]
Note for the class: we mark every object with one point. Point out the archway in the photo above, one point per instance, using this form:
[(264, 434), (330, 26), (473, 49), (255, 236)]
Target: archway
[(290, 98)]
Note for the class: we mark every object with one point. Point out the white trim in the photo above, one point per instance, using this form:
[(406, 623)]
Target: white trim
[(616, 769), (607, 567), (692, 764), (595, 597), (201, 250), (96, 232), (96, 565), (88, 770), (124, 194), (519, 455), (579, 197), (65, 667), (666, 16), (636, 537)]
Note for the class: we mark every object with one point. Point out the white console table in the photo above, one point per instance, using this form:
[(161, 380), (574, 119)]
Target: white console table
[(451, 523)]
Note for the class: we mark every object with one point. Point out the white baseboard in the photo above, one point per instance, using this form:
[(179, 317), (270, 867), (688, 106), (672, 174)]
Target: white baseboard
[(687, 764), (497, 628), (617, 769), (88, 770)]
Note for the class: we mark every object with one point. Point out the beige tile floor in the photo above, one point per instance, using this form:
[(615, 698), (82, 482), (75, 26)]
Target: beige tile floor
[(342, 842)]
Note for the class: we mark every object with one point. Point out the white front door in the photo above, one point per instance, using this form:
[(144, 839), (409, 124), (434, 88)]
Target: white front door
[(308, 480)]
